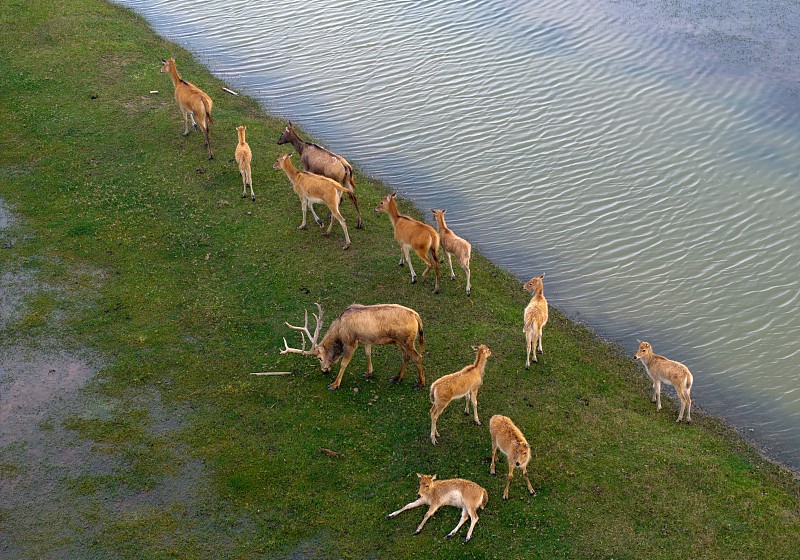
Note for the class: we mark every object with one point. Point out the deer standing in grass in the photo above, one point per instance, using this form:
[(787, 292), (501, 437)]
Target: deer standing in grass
[(243, 158), (535, 317), (313, 188), (193, 102), (453, 245), (509, 439), (319, 160), (455, 492), (463, 383), (413, 234), (368, 324), (669, 371)]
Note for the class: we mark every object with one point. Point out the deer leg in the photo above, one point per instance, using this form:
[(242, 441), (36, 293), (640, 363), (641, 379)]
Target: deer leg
[(411, 505), (528, 337), (399, 377), (250, 183), (473, 515), (528, 480), (540, 338), (465, 266), (428, 514), (494, 455), (194, 123), (340, 219), (407, 257), (435, 261), (185, 122), (244, 182), (689, 405), (466, 408), (417, 357), (346, 357), (304, 206), (510, 477), (320, 223), (208, 139), (474, 396), (368, 351), (450, 262), (658, 395), (435, 412), (464, 516), (360, 223)]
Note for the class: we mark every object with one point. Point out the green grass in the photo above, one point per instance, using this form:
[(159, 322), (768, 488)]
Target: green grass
[(146, 255)]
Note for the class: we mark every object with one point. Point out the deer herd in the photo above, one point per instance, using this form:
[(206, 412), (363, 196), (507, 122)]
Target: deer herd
[(324, 178)]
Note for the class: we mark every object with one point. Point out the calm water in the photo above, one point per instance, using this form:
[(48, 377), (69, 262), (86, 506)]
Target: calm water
[(644, 154)]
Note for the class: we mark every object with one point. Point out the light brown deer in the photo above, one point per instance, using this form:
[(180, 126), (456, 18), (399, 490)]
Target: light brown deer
[(669, 371), (313, 188), (193, 102), (536, 314), (413, 234), (463, 383), (509, 439), (243, 158), (369, 324), (455, 492), (453, 245), (319, 160)]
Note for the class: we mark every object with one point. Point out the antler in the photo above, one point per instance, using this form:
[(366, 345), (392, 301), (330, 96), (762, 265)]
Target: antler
[(305, 332)]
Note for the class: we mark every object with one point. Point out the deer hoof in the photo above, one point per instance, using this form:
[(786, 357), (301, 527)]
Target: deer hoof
[(417, 532), (253, 198), (394, 379), (325, 234), (320, 223), (360, 225), (413, 279), (301, 227), (419, 386), (184, 134), (346, 247), (332, 387)]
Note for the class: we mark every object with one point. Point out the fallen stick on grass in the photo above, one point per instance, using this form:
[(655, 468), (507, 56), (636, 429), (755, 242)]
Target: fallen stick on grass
[(230, 91), (272, 373)]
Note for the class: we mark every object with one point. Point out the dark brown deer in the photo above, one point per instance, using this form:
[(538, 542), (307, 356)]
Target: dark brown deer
[(319, 160), (369, 324)]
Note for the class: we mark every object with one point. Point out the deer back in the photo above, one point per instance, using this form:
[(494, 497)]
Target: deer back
[(510, 439), (376, 324)]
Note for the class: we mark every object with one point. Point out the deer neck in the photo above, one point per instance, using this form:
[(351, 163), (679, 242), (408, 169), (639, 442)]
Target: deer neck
[(392, 210), (295, 141), (440, 222), (173, 74), (480, 363), (242, 140), (289, 169)]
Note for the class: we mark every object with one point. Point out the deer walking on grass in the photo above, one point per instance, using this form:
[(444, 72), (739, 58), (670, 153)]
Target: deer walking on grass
[(193, 102), (369, 325), (455, 492), (319, 160), (463, 383), (669, 371), (243, 158), (413, 234), (453, 245), (536, 314), (509, 439), (313, 188)]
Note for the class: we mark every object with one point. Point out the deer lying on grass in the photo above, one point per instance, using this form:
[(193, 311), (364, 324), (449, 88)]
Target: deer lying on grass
[(509, 439), (669, 371), (319, 160), (463, 383), (455, 492), (313, 188), (368, 324), (453, 245), (243, 158), (193, 102), (535, 317), (413, 234)]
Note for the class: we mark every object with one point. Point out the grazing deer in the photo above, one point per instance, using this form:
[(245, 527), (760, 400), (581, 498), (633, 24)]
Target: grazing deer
[(319, 160), (243, 158), (369, 324), (193, 102), (535, 317), (669, 371), (313, 188), (509, 439), (412, 234), (453, 245), (455, 492), (463, 383)]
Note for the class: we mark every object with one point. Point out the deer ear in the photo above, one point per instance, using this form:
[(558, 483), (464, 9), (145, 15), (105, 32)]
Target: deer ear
[(433, 477), (164, 60), (542, 276), (420, 475)]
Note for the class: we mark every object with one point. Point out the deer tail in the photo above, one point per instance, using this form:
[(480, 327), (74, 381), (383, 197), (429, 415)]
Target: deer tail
[(348, 178), (421, 334), (485, 499), (207, 107)]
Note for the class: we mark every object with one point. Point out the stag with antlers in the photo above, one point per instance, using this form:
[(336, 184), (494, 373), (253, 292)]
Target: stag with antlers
[(368, 324)]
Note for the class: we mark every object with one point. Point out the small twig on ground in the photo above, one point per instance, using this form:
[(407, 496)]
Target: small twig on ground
[(271, 373), (330, 453)]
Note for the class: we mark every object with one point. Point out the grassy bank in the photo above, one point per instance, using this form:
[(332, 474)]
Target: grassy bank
[(145, 256)]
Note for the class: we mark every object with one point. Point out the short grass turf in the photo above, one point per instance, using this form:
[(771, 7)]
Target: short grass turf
[(182, 288)]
